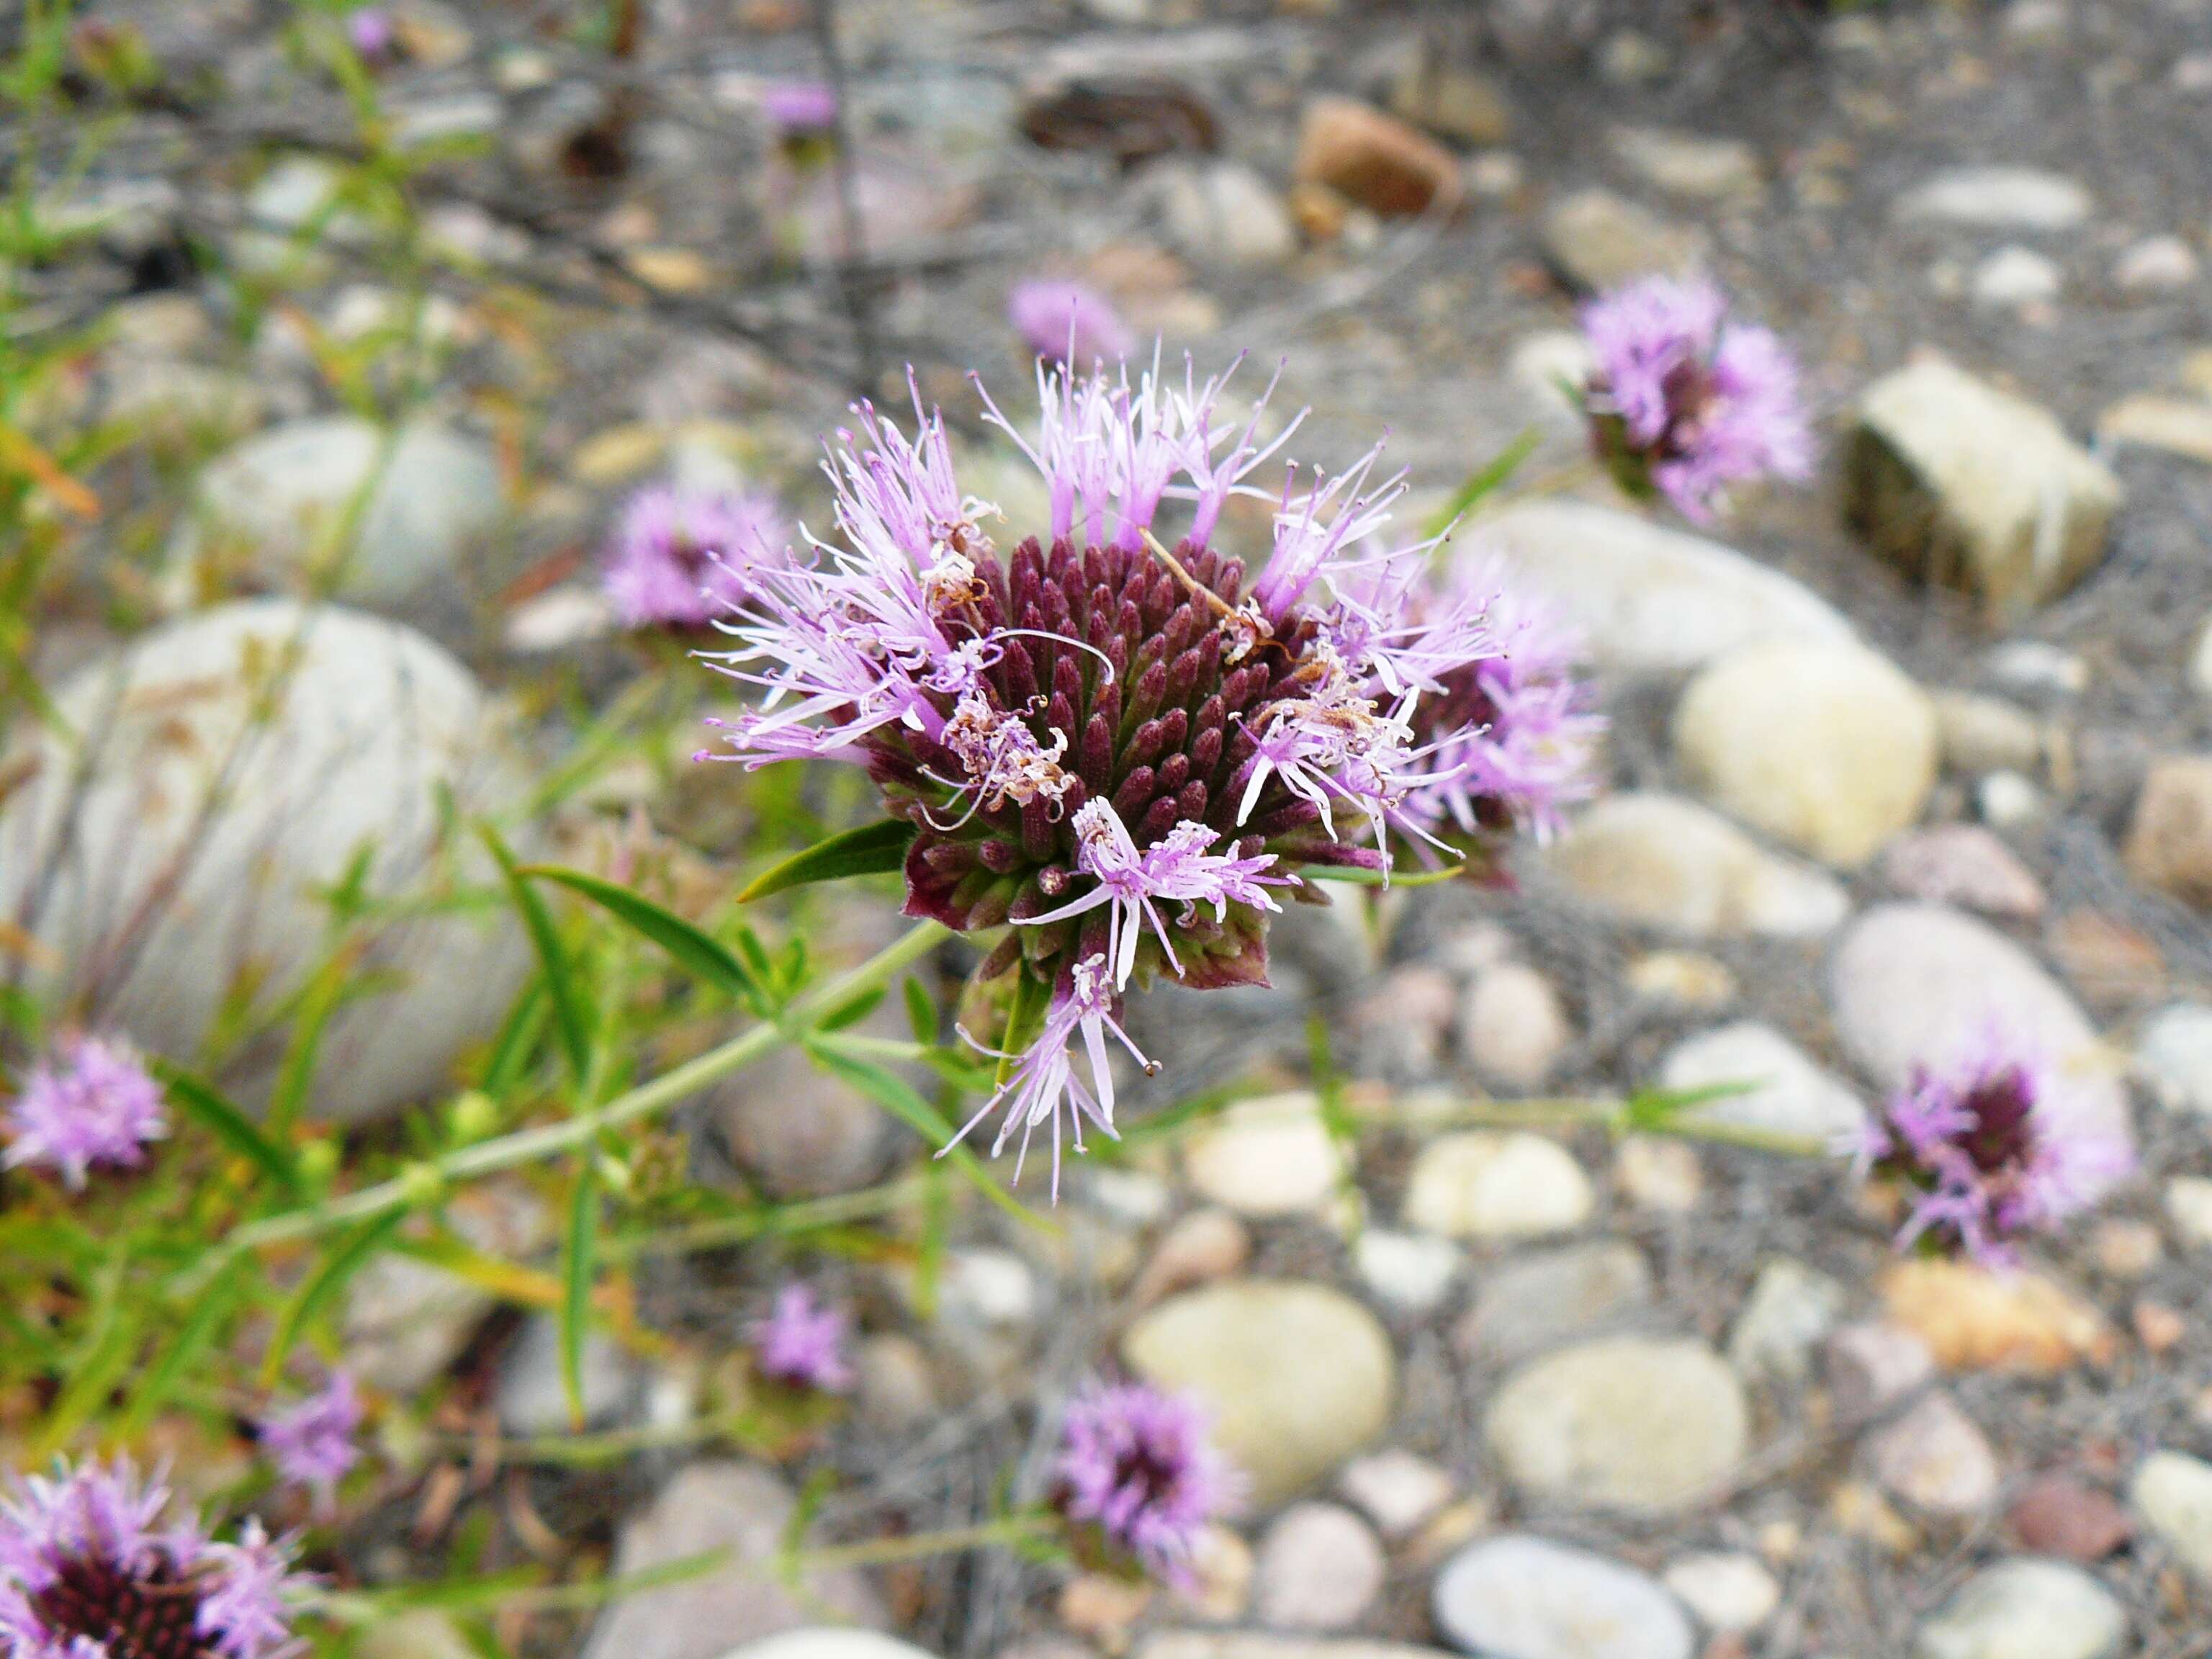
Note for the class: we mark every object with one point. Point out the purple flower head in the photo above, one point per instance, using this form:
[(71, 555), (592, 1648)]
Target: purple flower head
[(681, 557), (89, 1105), (1117, 747), (1136, 1467), (311, 1442), (1515, 730), (1988, 1151), (1066, 322), (801, 1345), (1685, 403), (370, 30), (800, 109), (88, 1571)]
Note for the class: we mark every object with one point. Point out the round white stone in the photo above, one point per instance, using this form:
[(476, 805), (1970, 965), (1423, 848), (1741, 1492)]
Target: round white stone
[(1482, 1185), (243, 763), (1518, 1597), (1624, 1423), (1823, 745)]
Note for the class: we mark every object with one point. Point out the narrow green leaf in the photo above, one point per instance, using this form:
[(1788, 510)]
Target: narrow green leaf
[(921, 1012), (518, 1038), (228, 1123), (569, 1010), (898, 1098), (316, 1003), (870, 850), (208, 1309), (849, 1014), (349, 1257), (1649, 1108), (694, 950), (1486, 478), (577, 1267)]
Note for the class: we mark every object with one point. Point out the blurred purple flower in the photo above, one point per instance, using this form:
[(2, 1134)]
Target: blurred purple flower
[(311, 1442), (370, 30), (682, 557), (1685, 403), (1066, 321), (89, 1571), (1986, 1153), (801, 1345), (800, 109), (89, 1105), (1137, 1465)]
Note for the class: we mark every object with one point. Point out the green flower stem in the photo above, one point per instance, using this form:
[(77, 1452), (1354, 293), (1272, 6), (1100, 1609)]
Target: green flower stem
[(527, 1145)]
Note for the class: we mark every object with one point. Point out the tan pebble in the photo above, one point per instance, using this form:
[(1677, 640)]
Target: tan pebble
[(2158, 1326)]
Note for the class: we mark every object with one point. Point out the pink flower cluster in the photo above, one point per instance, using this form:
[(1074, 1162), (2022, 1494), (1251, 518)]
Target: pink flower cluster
[(89, 1105), (1687, 402), (1113, 740), (1137, 1466), (681, 557), (801, 1344), (311, 1442), (1986, 1153), (90, 1570)]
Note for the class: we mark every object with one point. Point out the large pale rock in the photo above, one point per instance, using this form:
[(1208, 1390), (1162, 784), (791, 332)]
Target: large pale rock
[(337, 500), (1649, 599), (1975, 489), (1262, 1644), (1687, 163), (1787, 1094), (2173, 1055), (2169, 844), (1269, 1157), (1531, 1302), (1914, 985), (1521, 1597), (241, 764), (1479, 1184), (1599, 240), (1667, 863), (1998, 198), (829, 1642), (1621, 1423), (1828, 747), (1297, 1377), (743, 1510), (2172, 1493), (2027, 1608)]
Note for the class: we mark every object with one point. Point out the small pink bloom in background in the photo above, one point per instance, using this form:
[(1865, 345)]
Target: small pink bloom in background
[(311, 1442), (89, 1105), (801, 1344), (371, 31), (1988, 1151), (89, 1565), (800, 109), (1067, 321), (1687, 403), (1137, 1464), (680, 557)]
